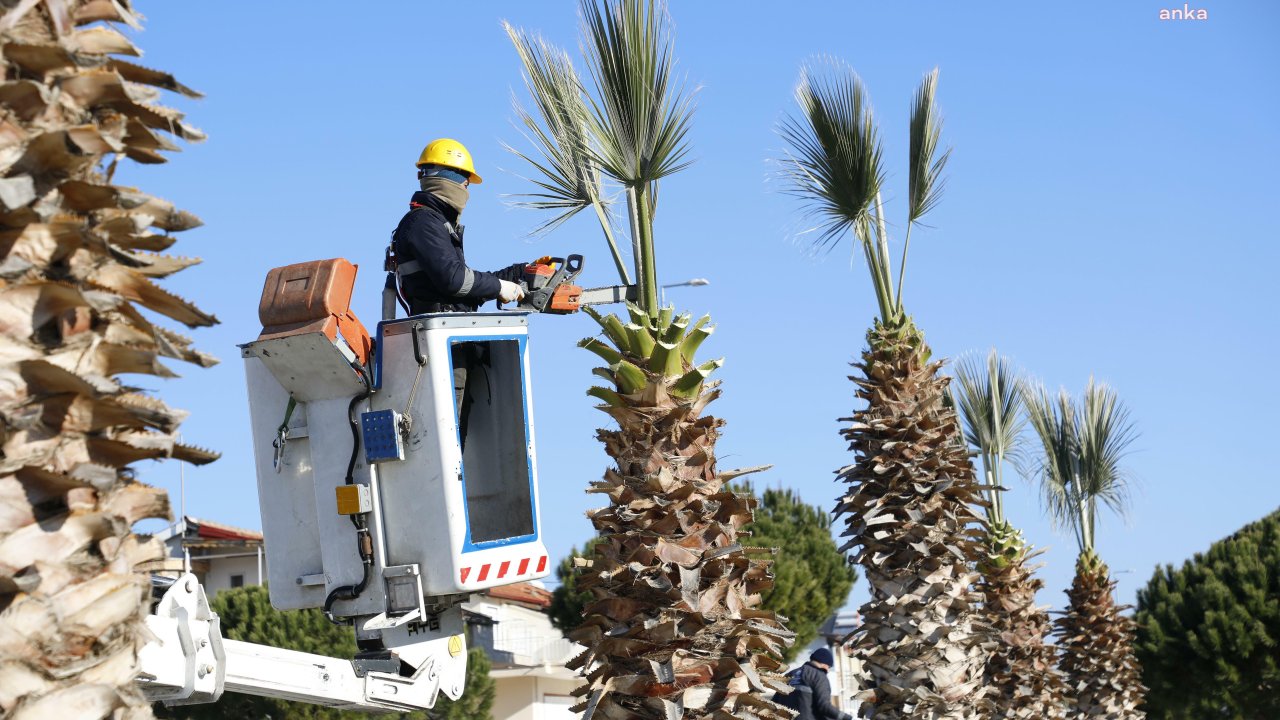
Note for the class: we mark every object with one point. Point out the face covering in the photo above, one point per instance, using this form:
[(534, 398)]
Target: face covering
[(454, 195)]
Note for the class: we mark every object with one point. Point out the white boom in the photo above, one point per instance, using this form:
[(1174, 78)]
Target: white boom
[(189, 662)]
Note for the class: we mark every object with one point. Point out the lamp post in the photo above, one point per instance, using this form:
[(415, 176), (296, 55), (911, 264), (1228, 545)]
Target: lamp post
[(691, 282)]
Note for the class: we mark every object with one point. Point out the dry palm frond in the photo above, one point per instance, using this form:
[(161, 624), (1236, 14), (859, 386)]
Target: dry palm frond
[(675, 627)]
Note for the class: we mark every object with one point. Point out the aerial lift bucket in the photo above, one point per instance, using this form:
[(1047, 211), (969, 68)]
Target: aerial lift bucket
[(388, 496)]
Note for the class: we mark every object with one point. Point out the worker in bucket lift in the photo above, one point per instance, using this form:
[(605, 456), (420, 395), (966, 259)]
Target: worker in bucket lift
[(426, 258)]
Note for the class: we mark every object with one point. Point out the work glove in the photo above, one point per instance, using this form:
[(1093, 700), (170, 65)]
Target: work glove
[(509, 291), (544, 260)]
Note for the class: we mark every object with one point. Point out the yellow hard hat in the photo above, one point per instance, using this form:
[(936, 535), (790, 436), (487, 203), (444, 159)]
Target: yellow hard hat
[(449, 153)]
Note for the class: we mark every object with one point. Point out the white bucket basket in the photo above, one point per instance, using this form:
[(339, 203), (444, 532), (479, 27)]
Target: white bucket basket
[(446, 517)]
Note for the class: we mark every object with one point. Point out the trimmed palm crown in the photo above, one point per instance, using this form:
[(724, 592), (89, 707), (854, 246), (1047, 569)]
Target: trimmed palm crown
[(1082, 447), (911, 489), (1022, 669), (674, 627)]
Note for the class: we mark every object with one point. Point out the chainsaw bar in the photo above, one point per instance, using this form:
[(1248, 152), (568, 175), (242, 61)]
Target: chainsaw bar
[(608, 295)]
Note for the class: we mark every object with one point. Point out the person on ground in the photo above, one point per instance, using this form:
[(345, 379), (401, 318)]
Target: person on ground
[(810, 696)]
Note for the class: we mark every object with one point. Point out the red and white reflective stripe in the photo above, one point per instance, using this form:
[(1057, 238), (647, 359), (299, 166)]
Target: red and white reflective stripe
[(504, 568)]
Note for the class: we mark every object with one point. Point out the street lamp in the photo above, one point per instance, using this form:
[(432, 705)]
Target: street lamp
[(692, 282)]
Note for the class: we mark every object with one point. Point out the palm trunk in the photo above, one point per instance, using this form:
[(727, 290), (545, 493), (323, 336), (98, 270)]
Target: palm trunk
[(1097, 648), (675, 628), (1022, 670), (910, 522), (76, 260)]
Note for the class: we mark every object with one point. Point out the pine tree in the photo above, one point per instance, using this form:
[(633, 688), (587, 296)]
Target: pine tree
[(1209, 632), (811, 577), (567, 600)]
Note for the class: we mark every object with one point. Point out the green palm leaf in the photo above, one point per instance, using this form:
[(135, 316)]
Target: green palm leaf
[(1106, 434), (925, 181), (569, 179), (1057, 465), (1082, 450), (990, 397), (641, 116), (834, 162)]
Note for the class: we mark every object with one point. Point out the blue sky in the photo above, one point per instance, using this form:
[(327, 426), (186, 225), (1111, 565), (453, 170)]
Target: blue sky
[(1109, 211)]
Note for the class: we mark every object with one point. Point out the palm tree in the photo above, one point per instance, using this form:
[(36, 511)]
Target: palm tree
[(1082, 447), (674, 627), (79, 257), (1022, 669), (908, 506)]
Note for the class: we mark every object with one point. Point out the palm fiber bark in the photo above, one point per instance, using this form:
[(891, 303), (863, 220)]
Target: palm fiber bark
[(1103, 677), (910, 523), (79, 257), (1022, 671), (675, 629)]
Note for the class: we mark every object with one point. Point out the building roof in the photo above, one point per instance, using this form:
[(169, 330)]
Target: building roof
[(524, 592), (211, 530)]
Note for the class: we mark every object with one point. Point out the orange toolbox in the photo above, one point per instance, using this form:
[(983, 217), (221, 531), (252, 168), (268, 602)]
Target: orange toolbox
[(314, 296)]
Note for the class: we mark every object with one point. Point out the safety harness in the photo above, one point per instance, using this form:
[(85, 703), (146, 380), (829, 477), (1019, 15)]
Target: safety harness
[(397, 270)]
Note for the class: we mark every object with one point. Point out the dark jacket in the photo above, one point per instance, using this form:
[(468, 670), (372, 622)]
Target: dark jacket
[(429, 235), (815, 680)]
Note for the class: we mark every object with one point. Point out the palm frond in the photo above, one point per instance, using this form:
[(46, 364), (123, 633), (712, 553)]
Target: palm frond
[(991, 402), (1057, 465), (570, 180), (990, 399), (1083, 447), (641, 117), (1106, 434), (833, 164), (834, 158), (925, 182)]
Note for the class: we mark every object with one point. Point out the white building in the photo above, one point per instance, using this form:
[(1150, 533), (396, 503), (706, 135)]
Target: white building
[(220, 556), (528, 653)]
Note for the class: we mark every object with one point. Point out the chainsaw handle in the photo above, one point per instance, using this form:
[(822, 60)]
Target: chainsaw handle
[(573, 264)]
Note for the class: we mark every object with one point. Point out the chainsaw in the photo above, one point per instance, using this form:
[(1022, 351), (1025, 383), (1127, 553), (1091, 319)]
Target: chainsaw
[(548, 288)]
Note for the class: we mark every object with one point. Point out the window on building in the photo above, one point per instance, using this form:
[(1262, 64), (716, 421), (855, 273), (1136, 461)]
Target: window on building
[(237, 581), (556, 707)]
